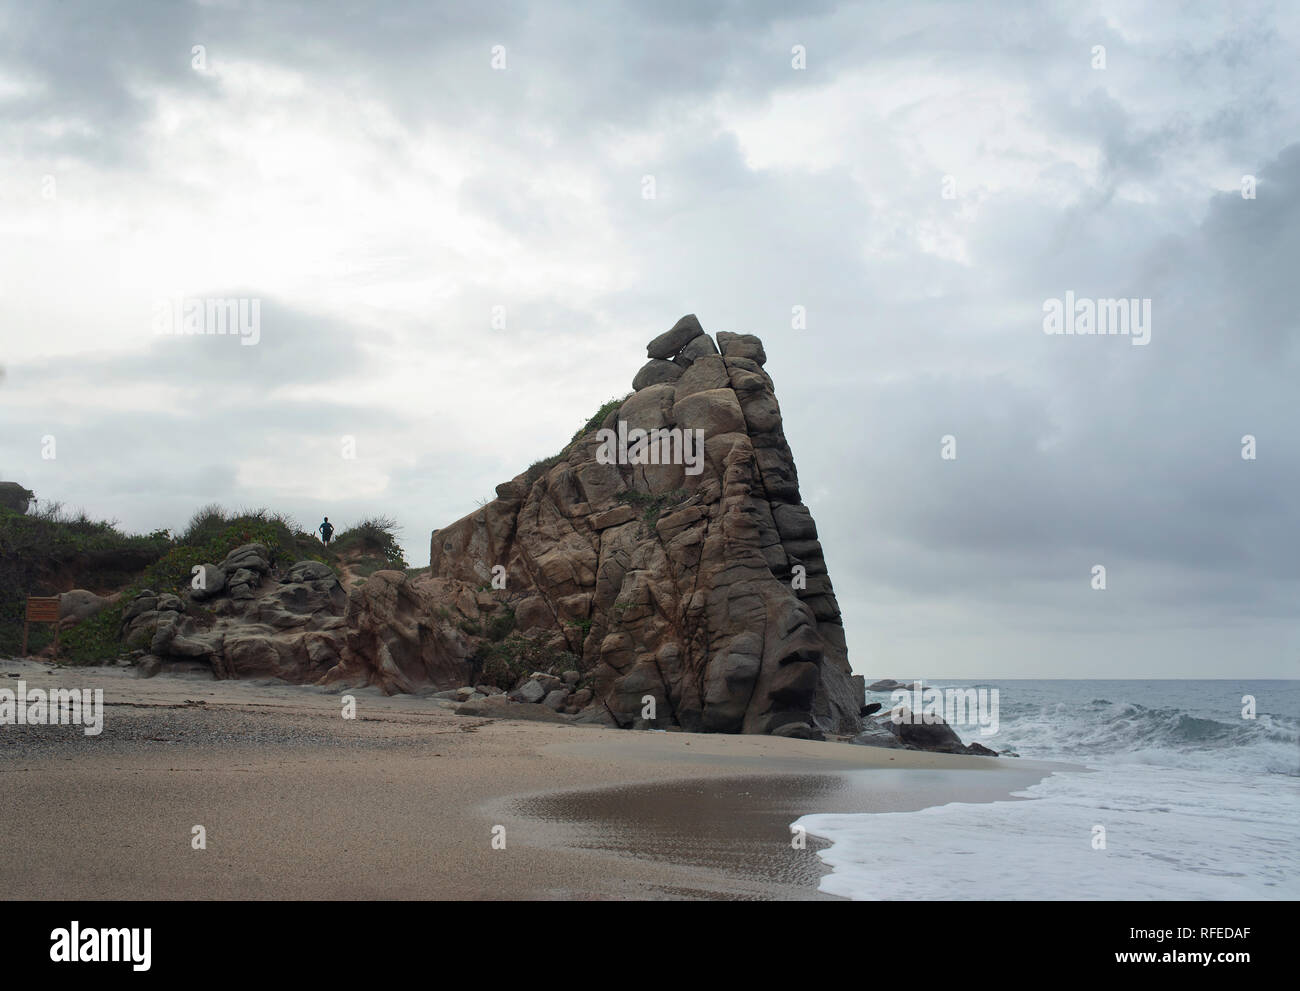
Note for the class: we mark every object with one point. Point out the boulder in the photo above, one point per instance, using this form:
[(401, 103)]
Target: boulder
[(912, 732), (212, 583), (656, 371), (699, 347), (242, 584), (742, 346), (530, 691), (704, 374), (667, 344), (144, 602), (555, 700), (80, 604), (549, 682), (308, 571), (715, 411), (251, 557)]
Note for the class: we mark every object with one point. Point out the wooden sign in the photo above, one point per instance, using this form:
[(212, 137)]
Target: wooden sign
[(42, 609)]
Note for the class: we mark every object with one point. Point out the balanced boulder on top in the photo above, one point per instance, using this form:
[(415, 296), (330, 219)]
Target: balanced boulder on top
[(667, 344)]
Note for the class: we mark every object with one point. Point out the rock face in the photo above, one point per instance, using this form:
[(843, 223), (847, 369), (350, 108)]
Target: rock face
[(689, 577), (250, 626), (395, 639), (393, 632)]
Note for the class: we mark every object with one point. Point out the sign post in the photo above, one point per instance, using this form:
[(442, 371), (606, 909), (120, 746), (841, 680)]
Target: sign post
[(42, 609)]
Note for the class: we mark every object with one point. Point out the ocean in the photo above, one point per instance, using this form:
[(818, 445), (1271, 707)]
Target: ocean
[(1184, 799)]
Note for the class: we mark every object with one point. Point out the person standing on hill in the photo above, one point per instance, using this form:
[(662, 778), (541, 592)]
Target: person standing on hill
[(326, 531)]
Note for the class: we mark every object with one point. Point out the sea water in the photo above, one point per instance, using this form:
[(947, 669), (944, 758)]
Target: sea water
[(1185, 799)]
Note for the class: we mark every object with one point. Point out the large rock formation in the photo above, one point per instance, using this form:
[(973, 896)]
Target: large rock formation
[(664, 557), (688, 575)]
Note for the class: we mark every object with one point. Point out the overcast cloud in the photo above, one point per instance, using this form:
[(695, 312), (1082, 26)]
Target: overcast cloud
[(381, 187)]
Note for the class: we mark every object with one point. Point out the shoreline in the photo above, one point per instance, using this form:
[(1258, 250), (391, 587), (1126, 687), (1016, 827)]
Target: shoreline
[(401, 802)]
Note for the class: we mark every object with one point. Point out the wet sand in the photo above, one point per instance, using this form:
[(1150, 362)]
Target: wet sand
[(409, 800)]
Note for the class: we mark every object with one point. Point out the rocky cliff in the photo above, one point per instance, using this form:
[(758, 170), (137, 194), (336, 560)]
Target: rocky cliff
[(660, 571), (669, 548)]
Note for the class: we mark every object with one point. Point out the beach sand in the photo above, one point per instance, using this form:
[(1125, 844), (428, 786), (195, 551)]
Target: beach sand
[(404, 801)]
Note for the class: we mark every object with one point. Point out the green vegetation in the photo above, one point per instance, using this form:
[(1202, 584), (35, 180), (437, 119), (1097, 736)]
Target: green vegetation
[(652, 507), (582, 625), (96, 639), (506, 655), (504, 663), (599, 416), (38, 548), (50, 549), (374, 538), (500, 625), (539, 468)]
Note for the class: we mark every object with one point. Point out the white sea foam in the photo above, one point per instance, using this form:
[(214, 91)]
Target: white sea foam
[(1195, 804)]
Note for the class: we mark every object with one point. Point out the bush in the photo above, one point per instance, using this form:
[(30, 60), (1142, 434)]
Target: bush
[(539, 468), (599, 416), (653, 506), (205, 524), (500, 625), (98, 638), (505, 662), (37, 548), (373, 537)]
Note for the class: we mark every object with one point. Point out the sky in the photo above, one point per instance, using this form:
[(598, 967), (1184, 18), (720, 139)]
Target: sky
[(462, 223)]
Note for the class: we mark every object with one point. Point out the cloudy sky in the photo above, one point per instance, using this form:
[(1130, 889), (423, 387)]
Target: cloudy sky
[(386, 179)]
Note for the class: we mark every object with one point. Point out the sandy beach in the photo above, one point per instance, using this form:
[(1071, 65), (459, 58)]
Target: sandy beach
[(405, 800)]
